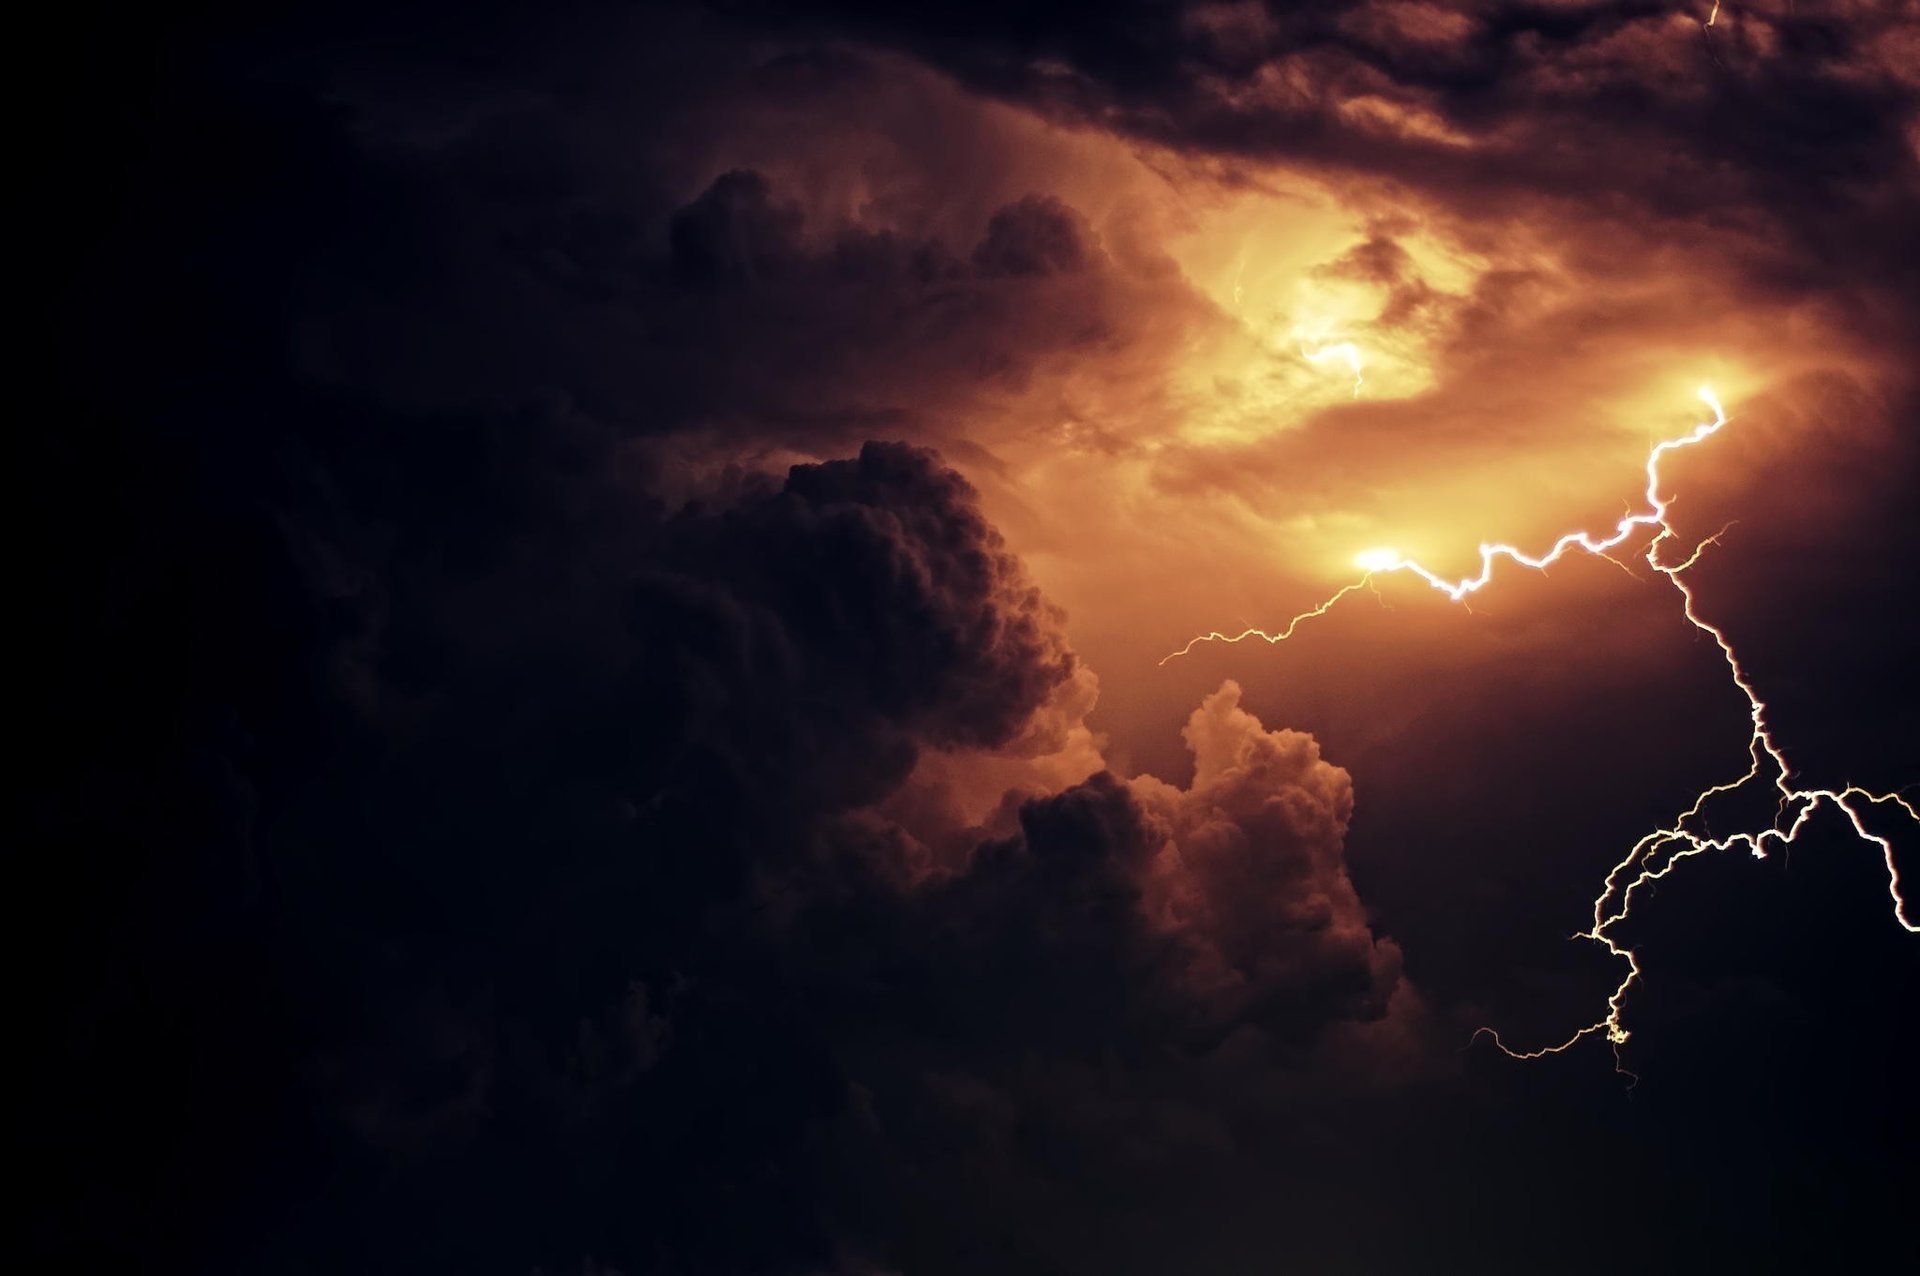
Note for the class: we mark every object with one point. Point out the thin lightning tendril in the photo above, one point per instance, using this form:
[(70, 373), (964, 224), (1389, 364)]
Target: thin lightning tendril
[(1344, 351), (1656, 855)]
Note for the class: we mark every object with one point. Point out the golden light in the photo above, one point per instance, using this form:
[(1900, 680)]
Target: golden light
[(1377, 560), (1345, 352)]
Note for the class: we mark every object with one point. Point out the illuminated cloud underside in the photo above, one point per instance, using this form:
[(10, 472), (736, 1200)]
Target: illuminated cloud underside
[(1656, 854)]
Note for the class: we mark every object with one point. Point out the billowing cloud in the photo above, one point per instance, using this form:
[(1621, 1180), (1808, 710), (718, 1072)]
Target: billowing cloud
[(1251, 875)]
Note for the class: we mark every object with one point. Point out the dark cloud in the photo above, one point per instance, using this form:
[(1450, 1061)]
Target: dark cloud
[(526, 830), (734, 313), (1036, 236), (734, 231), (1769, 131)]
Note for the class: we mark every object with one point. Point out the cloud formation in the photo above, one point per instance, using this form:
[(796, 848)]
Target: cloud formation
[(1251, 877), (558, 735)]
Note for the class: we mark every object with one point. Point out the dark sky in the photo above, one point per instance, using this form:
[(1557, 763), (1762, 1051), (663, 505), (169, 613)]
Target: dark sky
[(594, 578)]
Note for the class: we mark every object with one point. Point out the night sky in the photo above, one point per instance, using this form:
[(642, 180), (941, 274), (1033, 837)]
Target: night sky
[(591, 608)]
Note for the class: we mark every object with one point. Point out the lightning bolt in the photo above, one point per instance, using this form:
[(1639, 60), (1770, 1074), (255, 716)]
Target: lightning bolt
[(1344, 351), (1658, 853), (1706, 35)]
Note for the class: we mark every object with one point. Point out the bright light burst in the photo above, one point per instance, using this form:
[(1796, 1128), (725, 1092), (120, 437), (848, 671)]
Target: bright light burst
[(1339, 352), (1655, 855)]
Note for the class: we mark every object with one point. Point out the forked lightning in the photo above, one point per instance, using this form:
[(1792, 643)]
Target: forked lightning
[(1655, 855)]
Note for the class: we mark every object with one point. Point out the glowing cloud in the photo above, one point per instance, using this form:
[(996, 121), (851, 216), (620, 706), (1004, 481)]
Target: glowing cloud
[(1342, 352)]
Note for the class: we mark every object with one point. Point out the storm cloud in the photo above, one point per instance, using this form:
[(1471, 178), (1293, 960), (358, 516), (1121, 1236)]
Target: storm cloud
[(594, 585)]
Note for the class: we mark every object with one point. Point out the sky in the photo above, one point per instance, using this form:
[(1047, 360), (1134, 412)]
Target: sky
[(598, 590)]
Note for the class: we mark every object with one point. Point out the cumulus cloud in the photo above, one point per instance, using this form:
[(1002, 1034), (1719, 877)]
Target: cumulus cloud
[(1251, 875), (1037, 235), (734, 230)]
